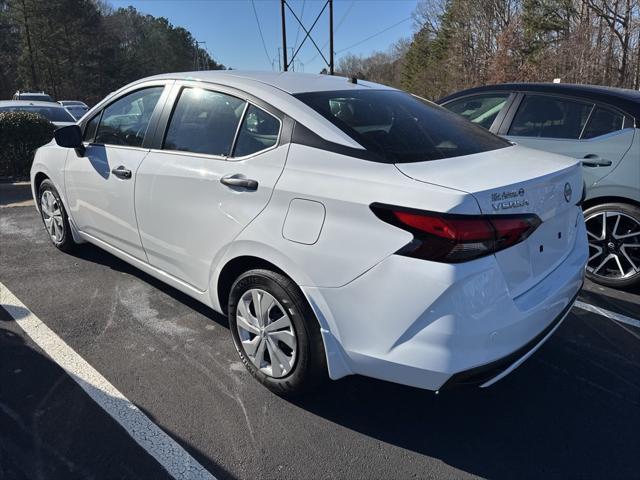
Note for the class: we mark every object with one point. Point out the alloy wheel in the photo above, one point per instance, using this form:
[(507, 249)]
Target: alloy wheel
[(266, 333), (52, 216), (614, 245)]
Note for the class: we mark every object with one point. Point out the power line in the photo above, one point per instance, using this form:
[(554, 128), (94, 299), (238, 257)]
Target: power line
[(374, 35), (264, 45), (295, 43)]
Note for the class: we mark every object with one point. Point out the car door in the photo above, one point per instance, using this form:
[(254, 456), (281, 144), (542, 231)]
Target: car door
[(99, 182), (598, 135), (212, 172), (484, 109)]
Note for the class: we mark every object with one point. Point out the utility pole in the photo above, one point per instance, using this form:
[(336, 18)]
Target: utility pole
[(284, 36), (330, 37), (196, 55), (291, 63)]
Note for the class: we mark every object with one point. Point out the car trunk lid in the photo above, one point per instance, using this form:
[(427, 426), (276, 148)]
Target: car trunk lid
[(517, 180)]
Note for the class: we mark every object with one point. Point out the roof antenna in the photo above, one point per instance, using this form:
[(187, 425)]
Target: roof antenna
[(353, 80)]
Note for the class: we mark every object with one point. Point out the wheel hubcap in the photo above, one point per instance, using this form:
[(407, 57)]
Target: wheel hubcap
[(52, 216), (614, 245), (266, 333)]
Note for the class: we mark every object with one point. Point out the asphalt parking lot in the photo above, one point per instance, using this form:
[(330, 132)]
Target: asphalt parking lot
[(571, 411)]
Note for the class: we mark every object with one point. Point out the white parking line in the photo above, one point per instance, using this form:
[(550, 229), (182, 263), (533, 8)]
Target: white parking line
[(147, 434), (606, 313)]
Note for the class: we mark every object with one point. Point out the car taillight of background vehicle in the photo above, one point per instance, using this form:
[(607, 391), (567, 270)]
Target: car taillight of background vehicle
[(456, 238)]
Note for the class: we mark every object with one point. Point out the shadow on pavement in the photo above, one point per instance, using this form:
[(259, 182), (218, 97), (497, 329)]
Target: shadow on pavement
[(51, 428), (571, 411), (14, 193), (94, 254)]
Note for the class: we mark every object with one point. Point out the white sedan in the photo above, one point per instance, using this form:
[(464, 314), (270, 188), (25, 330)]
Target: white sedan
[(342, 226)]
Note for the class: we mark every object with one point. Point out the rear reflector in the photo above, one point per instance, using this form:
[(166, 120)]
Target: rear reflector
[(456, 238)]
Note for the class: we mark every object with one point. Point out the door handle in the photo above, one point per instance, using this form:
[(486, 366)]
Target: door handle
[(592, 160), (122, 172), (238, 181)]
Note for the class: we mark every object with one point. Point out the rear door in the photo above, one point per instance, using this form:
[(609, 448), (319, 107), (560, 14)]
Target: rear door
[(210, 174), (100, 182), (596, 134)]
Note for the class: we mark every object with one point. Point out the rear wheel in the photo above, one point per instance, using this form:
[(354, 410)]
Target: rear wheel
[(613, 230), (275, 332), (54, 216)]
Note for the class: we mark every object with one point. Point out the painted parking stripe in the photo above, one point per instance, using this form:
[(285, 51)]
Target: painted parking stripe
[(147, 434), (618, 317)]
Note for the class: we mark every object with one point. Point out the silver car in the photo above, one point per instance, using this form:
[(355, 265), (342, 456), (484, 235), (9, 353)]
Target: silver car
[(598, 125), (56, 114)]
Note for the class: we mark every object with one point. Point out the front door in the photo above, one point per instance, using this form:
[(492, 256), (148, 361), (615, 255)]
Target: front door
[(100, 182)]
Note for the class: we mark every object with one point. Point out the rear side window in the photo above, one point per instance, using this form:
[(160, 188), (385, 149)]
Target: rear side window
[(125, 121), (550, 117), (204, 122), (259, 131), (603, 121), (399, 127), (479, 109)]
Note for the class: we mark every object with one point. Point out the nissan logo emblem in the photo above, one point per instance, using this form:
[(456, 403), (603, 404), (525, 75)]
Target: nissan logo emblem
[(567, 192)]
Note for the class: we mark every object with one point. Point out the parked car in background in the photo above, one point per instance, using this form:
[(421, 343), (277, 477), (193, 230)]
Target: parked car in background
[(53, 112), (342, 226), (69, 103), (37, 96), (77, 109), (597, 125)]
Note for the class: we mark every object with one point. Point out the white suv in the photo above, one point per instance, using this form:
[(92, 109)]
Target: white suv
[(344, 227)]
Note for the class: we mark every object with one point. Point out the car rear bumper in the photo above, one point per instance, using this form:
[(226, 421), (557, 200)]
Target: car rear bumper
[(431, 325), (486, 375)]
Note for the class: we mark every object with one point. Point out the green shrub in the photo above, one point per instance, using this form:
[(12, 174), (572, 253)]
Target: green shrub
[(21, 133)]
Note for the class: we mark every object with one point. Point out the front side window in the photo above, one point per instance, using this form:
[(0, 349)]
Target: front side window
[(259, 131), (91, 128), (480, 109), (399, 127), (126, 120), (204, 122), (550, 117), (603, 121)]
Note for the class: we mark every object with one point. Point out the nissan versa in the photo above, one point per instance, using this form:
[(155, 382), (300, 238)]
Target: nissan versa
[(344, 227)]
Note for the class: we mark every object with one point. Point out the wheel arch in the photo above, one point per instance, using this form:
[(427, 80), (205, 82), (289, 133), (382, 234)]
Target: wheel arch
[(592, 202), (337, 363), (39, 177), (236, 267)]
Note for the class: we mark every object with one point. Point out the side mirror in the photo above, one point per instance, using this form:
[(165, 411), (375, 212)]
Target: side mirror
[(69, 137)]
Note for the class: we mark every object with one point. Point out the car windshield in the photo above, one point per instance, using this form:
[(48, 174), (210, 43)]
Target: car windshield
[(76, 110), (399, 127), (53, 114)]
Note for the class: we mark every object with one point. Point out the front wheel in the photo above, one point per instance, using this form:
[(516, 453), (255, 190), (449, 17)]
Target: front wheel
[(275, 333), (54, 216), (613, 230)]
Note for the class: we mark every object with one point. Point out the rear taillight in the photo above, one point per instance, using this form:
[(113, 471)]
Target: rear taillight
[(456, 238)]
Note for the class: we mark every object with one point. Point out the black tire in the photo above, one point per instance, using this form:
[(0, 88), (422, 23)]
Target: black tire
[(65, 242), (591, 215), (310, 368)]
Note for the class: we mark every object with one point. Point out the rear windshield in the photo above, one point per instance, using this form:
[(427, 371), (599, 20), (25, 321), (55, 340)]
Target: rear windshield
[(53, 114), (399, 127)]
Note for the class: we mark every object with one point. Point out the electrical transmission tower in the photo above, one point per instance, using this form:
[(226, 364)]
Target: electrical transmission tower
[(286, 63)]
